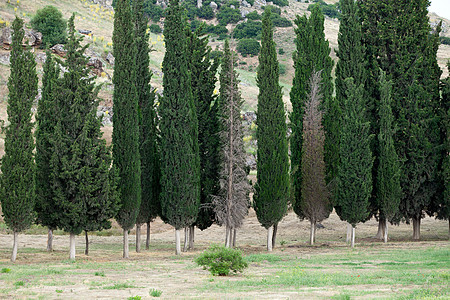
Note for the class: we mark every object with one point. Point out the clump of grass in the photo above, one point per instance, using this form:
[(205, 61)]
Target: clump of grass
[(100, 273), (119, 286), (6, 270), (135, 298), (19, 283), (155, 293), (59, 291)]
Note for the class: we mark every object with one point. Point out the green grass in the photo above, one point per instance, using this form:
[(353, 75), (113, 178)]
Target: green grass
[(155, 293), (119, 286)]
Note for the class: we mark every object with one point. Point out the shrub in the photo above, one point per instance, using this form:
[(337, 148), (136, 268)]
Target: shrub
[(444, 40), (155, 293), (330, 10), (155, 28), (228, 15), (222, 36), (274, 9), (281, 2), (248, 47), (49, 21), (216, 54), (253, 15), (251, 2), (219, 29), (153, 11), (205, 12), (281, 51), (249, 29), (279, 21), (282, 69), (220, 260)]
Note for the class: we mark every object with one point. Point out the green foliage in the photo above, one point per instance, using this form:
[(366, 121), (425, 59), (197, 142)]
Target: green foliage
[(5, 270), (125, 137), (228, 15), (282, 69), (281, 51), (135, 298), (205, 12), (152, 10), (272, 155), (330, 10), (220, 260), (150, 206), (444, 40), (155, 293), (281, 3), (279, 21), (354, 181), (49, 21), (253, 16), (100, 273), (154, 28), (19, 283), (17, 192), (248, 47), (312, 53), (249, 29), (180, 162), (218, 29)]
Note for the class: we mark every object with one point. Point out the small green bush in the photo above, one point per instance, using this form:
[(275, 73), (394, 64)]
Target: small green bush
[(135, 298), (253, 16), (281, 51), (49, 21), (220, 260), (228, 15), (100, 273), (248, 47), (249, 29), (205, 12), (6, 270), (155, 293), (444, 40), (330, 10), (282, 69), (155, 28), (152, 10), (281, 2)]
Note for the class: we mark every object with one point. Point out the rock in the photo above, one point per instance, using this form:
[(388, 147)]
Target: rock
[(213, 5), (244, 12), (246, 4), (250, 161), (199, 3), (110, 58), (40, 57), (6, 36), (249, 117), (4, 58), (32, 38), (85, 31), (59, 50), (232, 7), (96, 63), (157, 72)]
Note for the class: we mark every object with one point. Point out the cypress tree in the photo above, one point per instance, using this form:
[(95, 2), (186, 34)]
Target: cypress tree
[(231, 204), (273, 163), (45, 127), (84, 197), (150, 206), (125, 137), (312, 53), (203, 80), (17, 179), (388, 178), (399, 39), (354, 181), (315, 202), (180, 164)]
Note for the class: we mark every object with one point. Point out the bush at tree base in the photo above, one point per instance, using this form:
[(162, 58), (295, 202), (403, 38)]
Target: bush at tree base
[(220, 260)]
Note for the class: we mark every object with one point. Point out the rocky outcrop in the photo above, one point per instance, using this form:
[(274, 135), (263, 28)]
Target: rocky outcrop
[(58, 49), (31, 38)]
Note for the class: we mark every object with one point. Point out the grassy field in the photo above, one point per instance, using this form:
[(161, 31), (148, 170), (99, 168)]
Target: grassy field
[(400, 269)]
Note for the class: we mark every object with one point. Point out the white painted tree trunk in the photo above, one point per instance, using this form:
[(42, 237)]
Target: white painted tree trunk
[(50, 240), (72, 247), (14, 251), (353, 237), (227, 237), (386, 232), (349, 233), (138, 238), (147, 241), (177, 242), (312, 233), (126, 250), (269, 238)]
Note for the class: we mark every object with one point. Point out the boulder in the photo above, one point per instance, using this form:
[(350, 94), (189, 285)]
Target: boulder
[(213, 5), (4, 58), (110, 58), (6, 36), (232, 6), (85, 31), (32, 38), (58, 49), (246, 4)]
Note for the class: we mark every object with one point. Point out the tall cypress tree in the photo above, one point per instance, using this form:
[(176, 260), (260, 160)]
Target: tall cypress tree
[(84, 196), (399, 39), (273, 163), (388, 174), (231, 204), (354, 181), (45, 127), (180, 164), (203, 80), (17, 179), (150, 206), (312, 53), (125, 137)]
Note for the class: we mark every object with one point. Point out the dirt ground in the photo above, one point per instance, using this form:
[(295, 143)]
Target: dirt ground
[(179, 277)]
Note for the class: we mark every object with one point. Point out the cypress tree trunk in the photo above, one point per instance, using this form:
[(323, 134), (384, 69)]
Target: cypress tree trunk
[(86, 250), (312, 233), (177, 242), (353, 237), (50, 240), (14, 251), (191, 237), (126, 250), (381, 228), (416, 228), (349, 233), (227, 236), (147, 241), (186, 239), (72, 247), (269, 238), (274, 237), (386, 231), (138, 238), (234, 237)]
